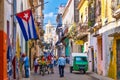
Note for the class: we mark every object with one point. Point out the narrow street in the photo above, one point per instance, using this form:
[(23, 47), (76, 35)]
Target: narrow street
[(82, 33), (55, 76)]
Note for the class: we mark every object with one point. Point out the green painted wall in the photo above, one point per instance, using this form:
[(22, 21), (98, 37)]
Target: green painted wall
[(67, 47)]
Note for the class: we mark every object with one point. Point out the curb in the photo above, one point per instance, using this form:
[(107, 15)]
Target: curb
[(99, 77)]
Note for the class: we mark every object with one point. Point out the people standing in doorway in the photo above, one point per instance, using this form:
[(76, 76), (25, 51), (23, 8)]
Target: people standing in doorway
[(61, 65), (26, 65)]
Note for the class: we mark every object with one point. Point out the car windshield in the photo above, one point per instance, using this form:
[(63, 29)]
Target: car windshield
[(81, 59)]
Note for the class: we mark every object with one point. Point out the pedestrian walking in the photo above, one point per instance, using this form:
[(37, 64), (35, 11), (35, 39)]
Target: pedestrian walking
[(26, 65), (36, 64), (51, 65), (61, 65)]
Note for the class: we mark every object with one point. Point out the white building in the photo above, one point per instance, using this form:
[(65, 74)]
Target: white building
[(69, 17), (50, 35)]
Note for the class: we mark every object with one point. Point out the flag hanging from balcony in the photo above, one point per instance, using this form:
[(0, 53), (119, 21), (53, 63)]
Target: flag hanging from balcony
[(26, 22)]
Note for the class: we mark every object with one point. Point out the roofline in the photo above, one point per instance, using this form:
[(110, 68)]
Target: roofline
[(80, 4), (66, 8)]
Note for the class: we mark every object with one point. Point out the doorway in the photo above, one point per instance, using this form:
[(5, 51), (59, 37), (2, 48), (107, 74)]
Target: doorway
[(100, 55), (118, 58), (92, 53)]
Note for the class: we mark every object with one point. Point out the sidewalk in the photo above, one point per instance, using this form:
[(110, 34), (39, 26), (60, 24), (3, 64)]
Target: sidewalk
[(99, 77)]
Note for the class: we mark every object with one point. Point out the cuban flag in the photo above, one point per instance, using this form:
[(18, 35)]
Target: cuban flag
[(26, 22)]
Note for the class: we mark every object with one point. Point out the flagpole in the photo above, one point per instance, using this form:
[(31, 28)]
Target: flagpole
[(38, 5), (30, 8)]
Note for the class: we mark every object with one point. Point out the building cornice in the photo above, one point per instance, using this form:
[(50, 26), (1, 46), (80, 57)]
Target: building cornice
[(80, 4)]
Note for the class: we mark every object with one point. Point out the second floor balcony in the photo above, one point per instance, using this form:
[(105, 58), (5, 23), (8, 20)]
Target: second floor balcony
[(116, 14), (115, 6), (82, 29)]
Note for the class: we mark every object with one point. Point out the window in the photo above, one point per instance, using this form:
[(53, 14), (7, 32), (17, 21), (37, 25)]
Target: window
[(81, 59)]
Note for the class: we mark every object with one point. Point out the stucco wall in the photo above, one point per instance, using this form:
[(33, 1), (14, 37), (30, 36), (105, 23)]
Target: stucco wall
[(1, 14), (69, 16), (3, 47), (109, 49), (93, 44), (107, 45)]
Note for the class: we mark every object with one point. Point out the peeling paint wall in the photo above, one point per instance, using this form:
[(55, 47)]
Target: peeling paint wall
[(93, 44), (100, 55), (113, 66), (109, 54), (107, 45)]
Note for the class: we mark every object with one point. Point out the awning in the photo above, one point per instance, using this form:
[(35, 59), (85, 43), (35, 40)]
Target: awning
[(79, 42)]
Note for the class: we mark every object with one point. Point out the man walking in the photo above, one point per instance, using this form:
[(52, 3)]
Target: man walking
[(61, 65)]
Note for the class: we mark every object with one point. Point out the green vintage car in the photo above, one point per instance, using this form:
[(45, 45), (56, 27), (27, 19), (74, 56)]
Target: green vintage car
[(78, 62)]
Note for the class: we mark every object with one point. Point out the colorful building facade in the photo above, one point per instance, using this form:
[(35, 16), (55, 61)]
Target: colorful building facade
[(83, 25), (105, 35)]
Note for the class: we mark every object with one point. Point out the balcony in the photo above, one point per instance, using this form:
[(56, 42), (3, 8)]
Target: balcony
[(82, 27), (96, 27), (116, 14), (82, 30), (116, 10)]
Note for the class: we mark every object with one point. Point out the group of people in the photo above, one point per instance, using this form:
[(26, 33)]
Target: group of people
[(42, 60), (51, 62)]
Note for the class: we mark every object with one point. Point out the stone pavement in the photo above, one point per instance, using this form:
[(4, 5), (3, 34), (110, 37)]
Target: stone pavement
[(68, 76)]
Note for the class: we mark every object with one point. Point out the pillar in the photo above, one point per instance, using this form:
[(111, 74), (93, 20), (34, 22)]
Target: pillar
[(3, 45), (3, 55)]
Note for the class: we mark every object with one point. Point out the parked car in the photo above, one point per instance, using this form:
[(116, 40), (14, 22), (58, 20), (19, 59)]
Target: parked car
[(78, 62)]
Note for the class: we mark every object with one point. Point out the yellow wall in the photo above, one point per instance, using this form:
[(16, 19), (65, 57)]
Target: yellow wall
[(103, 10), (113, 67), (82, 9), (18, 47), (109, 14), (106, 11)]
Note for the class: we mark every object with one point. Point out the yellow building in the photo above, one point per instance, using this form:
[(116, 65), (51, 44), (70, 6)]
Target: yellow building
[(114, 67), (83, 24), (108, 41)]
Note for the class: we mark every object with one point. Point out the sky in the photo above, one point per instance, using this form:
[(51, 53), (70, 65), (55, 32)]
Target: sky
[(51, 10)]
